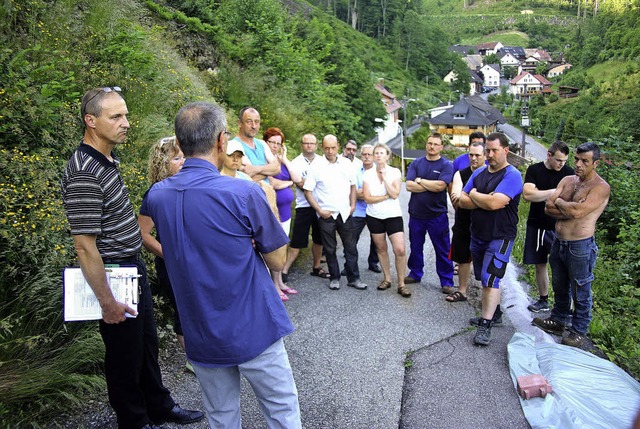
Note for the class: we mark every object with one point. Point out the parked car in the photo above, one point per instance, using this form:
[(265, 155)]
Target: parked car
[(486, 89)]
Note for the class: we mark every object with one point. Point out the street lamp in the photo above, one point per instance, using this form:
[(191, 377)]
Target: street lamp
[(404, 102), (451, 92)]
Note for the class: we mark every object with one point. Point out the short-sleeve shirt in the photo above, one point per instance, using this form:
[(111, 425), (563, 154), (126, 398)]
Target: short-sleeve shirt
[(427, 205), (384, 209), (361, 205), (331, 184), (302, 165), (228, 307), (461, 162), (499, 224), (463, 216), (96, 202), (284, 197), (544, 179)]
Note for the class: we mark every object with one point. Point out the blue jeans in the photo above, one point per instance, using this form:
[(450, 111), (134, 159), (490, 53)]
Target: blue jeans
[(328, 229), (272, 381), (490, 259), (438, 229), (572, 264)]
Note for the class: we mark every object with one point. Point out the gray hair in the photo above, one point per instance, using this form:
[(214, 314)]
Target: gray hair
[(198, 127)]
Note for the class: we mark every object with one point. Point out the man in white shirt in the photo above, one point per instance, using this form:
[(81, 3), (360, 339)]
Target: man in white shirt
[(330, 189), (306, 217)]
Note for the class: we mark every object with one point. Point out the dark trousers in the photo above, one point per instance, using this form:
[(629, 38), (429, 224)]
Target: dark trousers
[(328, 229), (438, 230), (359, 224), (131, 365)]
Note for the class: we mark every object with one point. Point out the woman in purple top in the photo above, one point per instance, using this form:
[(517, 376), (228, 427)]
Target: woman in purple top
[(282, 184)]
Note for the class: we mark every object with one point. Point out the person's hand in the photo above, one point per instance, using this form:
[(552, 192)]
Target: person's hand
[(324, 214), (115, 312)]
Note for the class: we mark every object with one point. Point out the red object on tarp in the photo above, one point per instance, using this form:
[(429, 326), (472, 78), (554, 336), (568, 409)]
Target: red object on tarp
[(532, 386)]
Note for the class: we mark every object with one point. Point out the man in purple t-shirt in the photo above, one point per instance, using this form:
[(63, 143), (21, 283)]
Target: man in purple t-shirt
[(427, 180)]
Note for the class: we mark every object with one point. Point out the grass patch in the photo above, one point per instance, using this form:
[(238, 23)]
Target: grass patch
[(507, 38)]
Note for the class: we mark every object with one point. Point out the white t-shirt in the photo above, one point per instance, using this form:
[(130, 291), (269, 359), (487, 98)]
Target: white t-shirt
[(389, 207), (301, 165), (331, 185)]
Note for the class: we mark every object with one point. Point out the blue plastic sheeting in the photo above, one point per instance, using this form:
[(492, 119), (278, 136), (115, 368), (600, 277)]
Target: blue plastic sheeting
[(588, 392)]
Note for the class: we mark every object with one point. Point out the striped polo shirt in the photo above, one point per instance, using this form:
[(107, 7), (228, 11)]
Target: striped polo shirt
[(97, 202)]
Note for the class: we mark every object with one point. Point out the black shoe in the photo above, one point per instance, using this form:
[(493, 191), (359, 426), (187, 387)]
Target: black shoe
[(375, 268), (549, 325), (496, 321), (285, 277), (181, 416)]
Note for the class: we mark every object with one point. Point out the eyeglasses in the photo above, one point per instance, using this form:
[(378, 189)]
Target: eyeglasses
[(274, 143), (227, 133), (107, 90)]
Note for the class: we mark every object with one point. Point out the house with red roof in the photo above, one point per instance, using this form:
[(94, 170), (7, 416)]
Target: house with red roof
[(527, 83)]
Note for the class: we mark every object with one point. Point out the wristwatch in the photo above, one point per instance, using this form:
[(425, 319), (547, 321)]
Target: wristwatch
[(418, 180)]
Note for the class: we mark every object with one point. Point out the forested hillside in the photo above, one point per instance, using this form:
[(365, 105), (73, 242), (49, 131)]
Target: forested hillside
[(307, 66)]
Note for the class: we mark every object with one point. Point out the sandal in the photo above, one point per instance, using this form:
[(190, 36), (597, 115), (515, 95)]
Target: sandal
[(456, 297), (404, 291), (319, 272), (384, 285), (288, 290), (283, 296)]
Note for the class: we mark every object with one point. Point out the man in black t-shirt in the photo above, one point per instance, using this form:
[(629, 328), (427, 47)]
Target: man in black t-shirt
[(540, 181)]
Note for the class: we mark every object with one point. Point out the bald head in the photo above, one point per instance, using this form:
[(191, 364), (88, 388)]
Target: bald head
[(330, 147)]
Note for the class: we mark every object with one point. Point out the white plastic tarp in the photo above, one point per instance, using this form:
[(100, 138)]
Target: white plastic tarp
[(588, 392)]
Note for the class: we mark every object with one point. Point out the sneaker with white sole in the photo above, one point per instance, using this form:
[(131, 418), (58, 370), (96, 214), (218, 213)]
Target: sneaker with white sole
[(549, 325), (358, 284), (334, 284), (573, 338), (539, 305)]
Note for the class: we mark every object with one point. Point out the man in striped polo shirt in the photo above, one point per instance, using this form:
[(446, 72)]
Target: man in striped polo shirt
[(105, 231)]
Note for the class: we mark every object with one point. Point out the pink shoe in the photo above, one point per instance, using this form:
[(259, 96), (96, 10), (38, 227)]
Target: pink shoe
[(289, 290), (283, 297)]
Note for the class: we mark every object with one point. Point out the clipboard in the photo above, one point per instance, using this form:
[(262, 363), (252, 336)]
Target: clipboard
[(81, 304)]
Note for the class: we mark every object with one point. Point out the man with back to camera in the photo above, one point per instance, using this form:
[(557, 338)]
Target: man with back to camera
[(576, 204), (105, 231), (493, 194), (427, 180), (540, 182), (330, 189), (259, 162), (233, 319)]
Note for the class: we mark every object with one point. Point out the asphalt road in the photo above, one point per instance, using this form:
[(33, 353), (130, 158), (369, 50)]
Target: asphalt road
[(372, 359)]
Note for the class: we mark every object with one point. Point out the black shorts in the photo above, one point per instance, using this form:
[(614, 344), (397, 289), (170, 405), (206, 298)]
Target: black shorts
[(460, 244), (537, 245), (389, 225), (306, 218)]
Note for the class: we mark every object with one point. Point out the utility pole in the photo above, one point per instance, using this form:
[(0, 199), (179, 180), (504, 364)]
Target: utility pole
[(524, 121), (404, 103)]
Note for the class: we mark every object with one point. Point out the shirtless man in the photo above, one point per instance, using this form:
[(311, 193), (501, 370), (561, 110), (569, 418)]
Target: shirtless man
[(576, 204)]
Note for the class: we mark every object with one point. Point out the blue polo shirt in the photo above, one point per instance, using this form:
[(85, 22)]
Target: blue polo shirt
[(427, 205), (229, 309)]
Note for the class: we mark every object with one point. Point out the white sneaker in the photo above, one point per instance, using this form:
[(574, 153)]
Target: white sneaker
[(334, 284), (358, 284)]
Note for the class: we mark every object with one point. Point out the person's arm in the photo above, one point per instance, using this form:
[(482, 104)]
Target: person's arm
[(352, 199), (149, 241), (275, 260), (455, 189), (550, 206), (423, 185), (296, 177), (271, 198), (278, 184), (577, 209), (392, 185), (493, 201), (260, 172), (94, 272), (532, 194), (465, 202)]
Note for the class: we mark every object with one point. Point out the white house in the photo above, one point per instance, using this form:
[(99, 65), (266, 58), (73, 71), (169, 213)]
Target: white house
[(489, 48), (558, 70), (508, 60), (390, 124), (491, 73), (528, 83)]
